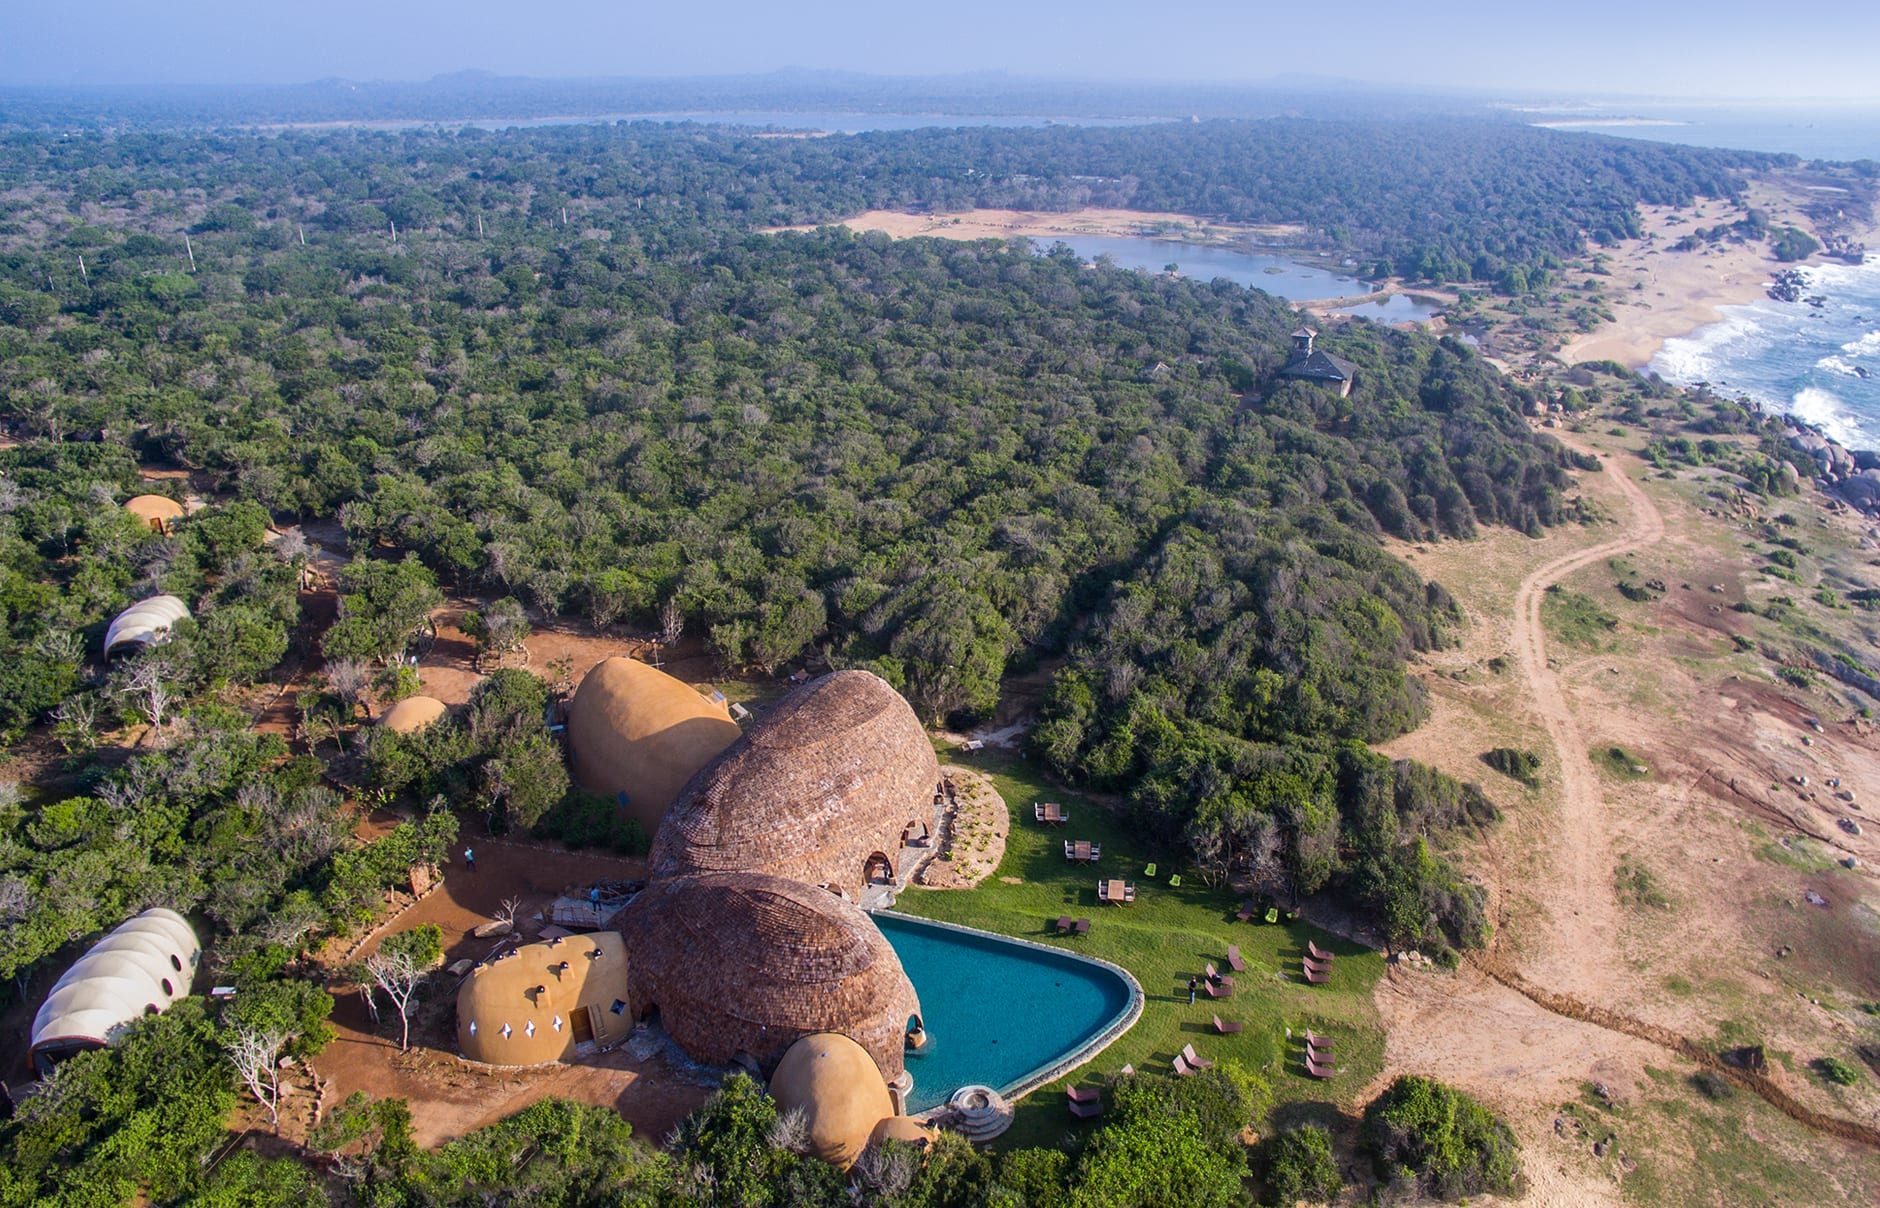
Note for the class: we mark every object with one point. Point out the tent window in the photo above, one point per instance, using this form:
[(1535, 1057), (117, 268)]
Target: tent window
[(150, 1008), (176, 962), (168, 988)]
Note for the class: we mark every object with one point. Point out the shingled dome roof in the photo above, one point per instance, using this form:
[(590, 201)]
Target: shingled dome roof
[(145, 623), (154, 510), (413, 713), (834, 1083), (142, 967), (634, 730), (740, 963), (819, 787)]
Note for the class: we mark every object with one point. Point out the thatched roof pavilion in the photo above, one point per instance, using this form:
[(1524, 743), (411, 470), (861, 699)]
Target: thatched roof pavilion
[(746, 965), (820, 789), (834, 1083), (635, 731)]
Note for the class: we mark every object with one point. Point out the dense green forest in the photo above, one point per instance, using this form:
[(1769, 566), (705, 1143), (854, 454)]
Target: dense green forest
[(578, 379)]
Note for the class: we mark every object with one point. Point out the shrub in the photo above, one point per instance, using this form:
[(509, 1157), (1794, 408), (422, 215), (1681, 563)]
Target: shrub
[(1837, 1071), (588, 820), (1440, 1140), (1299, 1166), (1524, 766)]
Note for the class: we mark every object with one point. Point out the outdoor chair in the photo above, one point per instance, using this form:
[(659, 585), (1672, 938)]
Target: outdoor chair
[(1317, 952), (1149, 871), (1224, 989), (1082, 927), (1096, 850), (1182, 1068), (1246, 912), (1226, 1027), (1317, 1070), (1063, 923), (1194, 1062), (1214, 975), (1084, 1111), (1129, 893), (1316, 966), (1322, 1043), (1233, 958), (1175, 882), (1317, 979), (1083, 1095)]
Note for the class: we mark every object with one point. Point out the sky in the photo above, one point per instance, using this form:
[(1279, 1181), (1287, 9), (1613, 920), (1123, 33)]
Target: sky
[(1719, 48)]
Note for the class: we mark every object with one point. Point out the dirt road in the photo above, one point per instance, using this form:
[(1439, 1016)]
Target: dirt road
[(1584, 907)]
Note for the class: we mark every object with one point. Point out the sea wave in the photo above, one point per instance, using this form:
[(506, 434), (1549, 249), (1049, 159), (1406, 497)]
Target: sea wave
[(1837, 365), (1698, 356), (1867, 345), (1830, 413)]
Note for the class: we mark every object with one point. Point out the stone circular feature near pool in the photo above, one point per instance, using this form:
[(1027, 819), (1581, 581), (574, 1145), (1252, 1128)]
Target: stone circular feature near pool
[(1003, 1014)]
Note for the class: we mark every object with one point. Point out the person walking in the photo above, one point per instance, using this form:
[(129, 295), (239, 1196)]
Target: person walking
[(470, 865), (1191, 991)]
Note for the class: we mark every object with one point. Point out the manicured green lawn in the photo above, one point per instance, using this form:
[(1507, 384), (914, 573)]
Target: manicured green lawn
[(1163, 938)]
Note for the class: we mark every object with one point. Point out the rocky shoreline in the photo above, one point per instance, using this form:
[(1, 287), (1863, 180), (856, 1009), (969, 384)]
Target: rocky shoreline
[(1850, 475)]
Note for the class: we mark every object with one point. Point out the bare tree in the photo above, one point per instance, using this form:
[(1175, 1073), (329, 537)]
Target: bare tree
[(348, 679), (400, 967), (255, 1053), (671, 622), (150, 682), (78, 721), (291, 544)]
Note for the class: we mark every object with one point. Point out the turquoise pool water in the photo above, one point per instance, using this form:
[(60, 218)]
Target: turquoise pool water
[(996, 1011)]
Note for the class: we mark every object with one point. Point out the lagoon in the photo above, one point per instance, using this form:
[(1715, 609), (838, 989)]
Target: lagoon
[(1275, 274)]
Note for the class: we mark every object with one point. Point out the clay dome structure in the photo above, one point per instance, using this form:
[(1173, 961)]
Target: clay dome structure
[(157, 511), (145, 623), (412, 714), (544, 1002), (139, 969), (903, 1128), (740, 966), (637, 734), (834, 1083), (824, 788)]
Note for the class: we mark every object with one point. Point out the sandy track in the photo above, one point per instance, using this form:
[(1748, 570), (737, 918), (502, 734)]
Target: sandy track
[(1587, 913)]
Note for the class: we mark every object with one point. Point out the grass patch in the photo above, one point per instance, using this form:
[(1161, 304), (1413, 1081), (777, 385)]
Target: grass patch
[(1620, 764), (1637, 887), (1799, 853), (1163, 938), (1575, 619)]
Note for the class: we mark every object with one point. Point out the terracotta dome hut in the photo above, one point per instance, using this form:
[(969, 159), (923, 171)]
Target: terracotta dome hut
[(157, 511), (742, 966), (412, 714), (139, 969), (637, 734), (903, 1128), (834, 1083), (542, 1002), (145, 623), (825, 788)]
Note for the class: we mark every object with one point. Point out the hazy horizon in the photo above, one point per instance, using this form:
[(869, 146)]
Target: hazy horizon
[(1720, 51)]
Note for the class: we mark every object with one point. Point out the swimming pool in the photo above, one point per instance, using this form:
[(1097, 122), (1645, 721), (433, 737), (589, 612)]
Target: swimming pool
[(1003, 1013)]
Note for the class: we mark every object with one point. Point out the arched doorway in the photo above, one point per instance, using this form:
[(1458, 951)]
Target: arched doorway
[(878, 870)]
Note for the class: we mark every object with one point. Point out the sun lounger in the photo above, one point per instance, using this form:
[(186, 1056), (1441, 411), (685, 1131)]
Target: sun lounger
[(1084, 1095), (1182, 1068), (1318, 1070), (1194, 1062), (1084, 1111), (1226, 1027), (1317, 979), (1316, 952), (1246, 912), (1127, 1071), (1082, 927), (1322, 1043), (1220, 989), (1316, 966), (1213, 974), (1233, 958), (1063, 923)]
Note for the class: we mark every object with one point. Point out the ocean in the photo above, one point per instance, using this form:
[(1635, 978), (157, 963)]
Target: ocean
[(1820, 364)]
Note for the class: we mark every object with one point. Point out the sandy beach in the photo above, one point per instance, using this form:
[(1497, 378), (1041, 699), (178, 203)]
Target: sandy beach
[(1679, 292), (1042, 224)]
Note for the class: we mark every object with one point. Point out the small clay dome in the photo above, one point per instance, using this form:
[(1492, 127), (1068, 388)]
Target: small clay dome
[(412, 714), (820, 789), (154, 510), (745, 965), (633, 729), (834, 1083), (902, 1128)]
